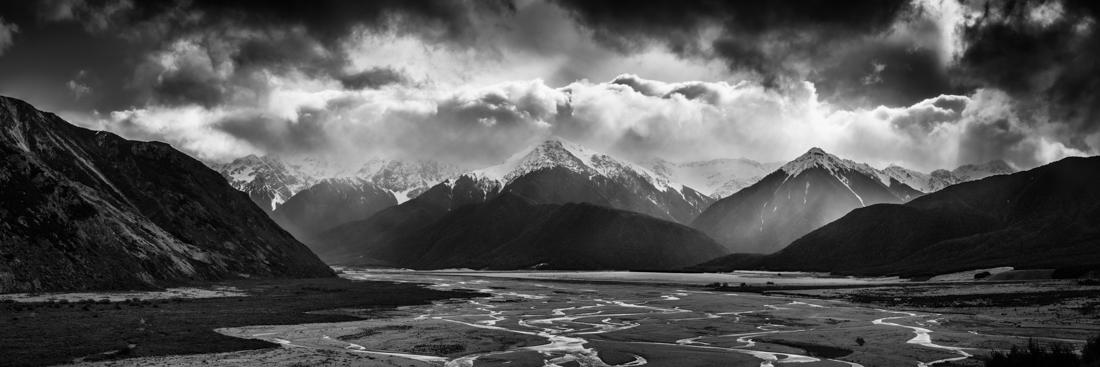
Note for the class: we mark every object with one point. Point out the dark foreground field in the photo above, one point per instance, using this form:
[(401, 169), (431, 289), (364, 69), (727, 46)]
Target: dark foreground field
[(35, 334)]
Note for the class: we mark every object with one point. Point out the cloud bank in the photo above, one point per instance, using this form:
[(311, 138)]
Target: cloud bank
[(925, 84), (628, 116)]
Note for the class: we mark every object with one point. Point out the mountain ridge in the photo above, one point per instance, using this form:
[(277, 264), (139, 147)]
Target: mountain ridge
[(1046, 217), (511, 232), (85, 209), (941, 178), (272, 180), (802, 195), (717, 178)]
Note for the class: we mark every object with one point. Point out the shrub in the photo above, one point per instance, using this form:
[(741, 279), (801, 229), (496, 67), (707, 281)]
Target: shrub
[(1055, 354), (1090, 354), (860, 341)]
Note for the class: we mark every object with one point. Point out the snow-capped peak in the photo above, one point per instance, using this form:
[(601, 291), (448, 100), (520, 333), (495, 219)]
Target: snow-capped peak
[(941, 178), (279, 178), (557, 152), (816, 157)]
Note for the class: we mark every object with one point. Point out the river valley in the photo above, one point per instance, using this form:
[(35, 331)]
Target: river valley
[(531, 321)]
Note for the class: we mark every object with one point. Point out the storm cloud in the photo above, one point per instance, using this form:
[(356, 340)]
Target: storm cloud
[(1045, 54), (926, 84)]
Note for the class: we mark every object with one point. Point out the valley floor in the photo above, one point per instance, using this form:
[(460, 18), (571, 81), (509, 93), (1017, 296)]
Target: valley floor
[(526, 321), (86, 327)]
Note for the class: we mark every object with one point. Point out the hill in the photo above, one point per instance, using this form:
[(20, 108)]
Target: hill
[(83, 209)]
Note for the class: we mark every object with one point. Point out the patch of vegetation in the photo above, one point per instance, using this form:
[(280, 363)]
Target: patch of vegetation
[(974, 300), (813, 350), (373, 331), (860, 341), (1089, 308), (438, 349), (1055, 355), (46, 333)]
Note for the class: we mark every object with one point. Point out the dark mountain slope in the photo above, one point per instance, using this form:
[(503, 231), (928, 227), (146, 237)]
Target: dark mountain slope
[(82, 209), (469, 232), (585, 236), (559, 185), (329, 203), (512, 232), (346, 243), (804, 195), (1047, 217)]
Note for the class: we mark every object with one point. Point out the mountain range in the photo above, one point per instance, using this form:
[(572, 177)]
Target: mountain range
[(513, 232), (272, 180), (553, 172), (941, 178), (803, 195), (83, 209), (307, 195), (1046, 217)]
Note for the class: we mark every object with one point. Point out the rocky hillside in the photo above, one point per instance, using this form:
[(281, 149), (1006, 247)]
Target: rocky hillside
[(83, 209)]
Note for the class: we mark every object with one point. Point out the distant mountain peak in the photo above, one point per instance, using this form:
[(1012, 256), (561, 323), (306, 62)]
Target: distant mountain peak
[(941, 178), (816, 157), (782, 206), (271, 180), (941, 173), (996, 166), (972, 172), (717, 178), (558, 152)]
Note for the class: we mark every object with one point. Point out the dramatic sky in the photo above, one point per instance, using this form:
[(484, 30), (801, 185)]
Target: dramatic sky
[(925, 84)]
